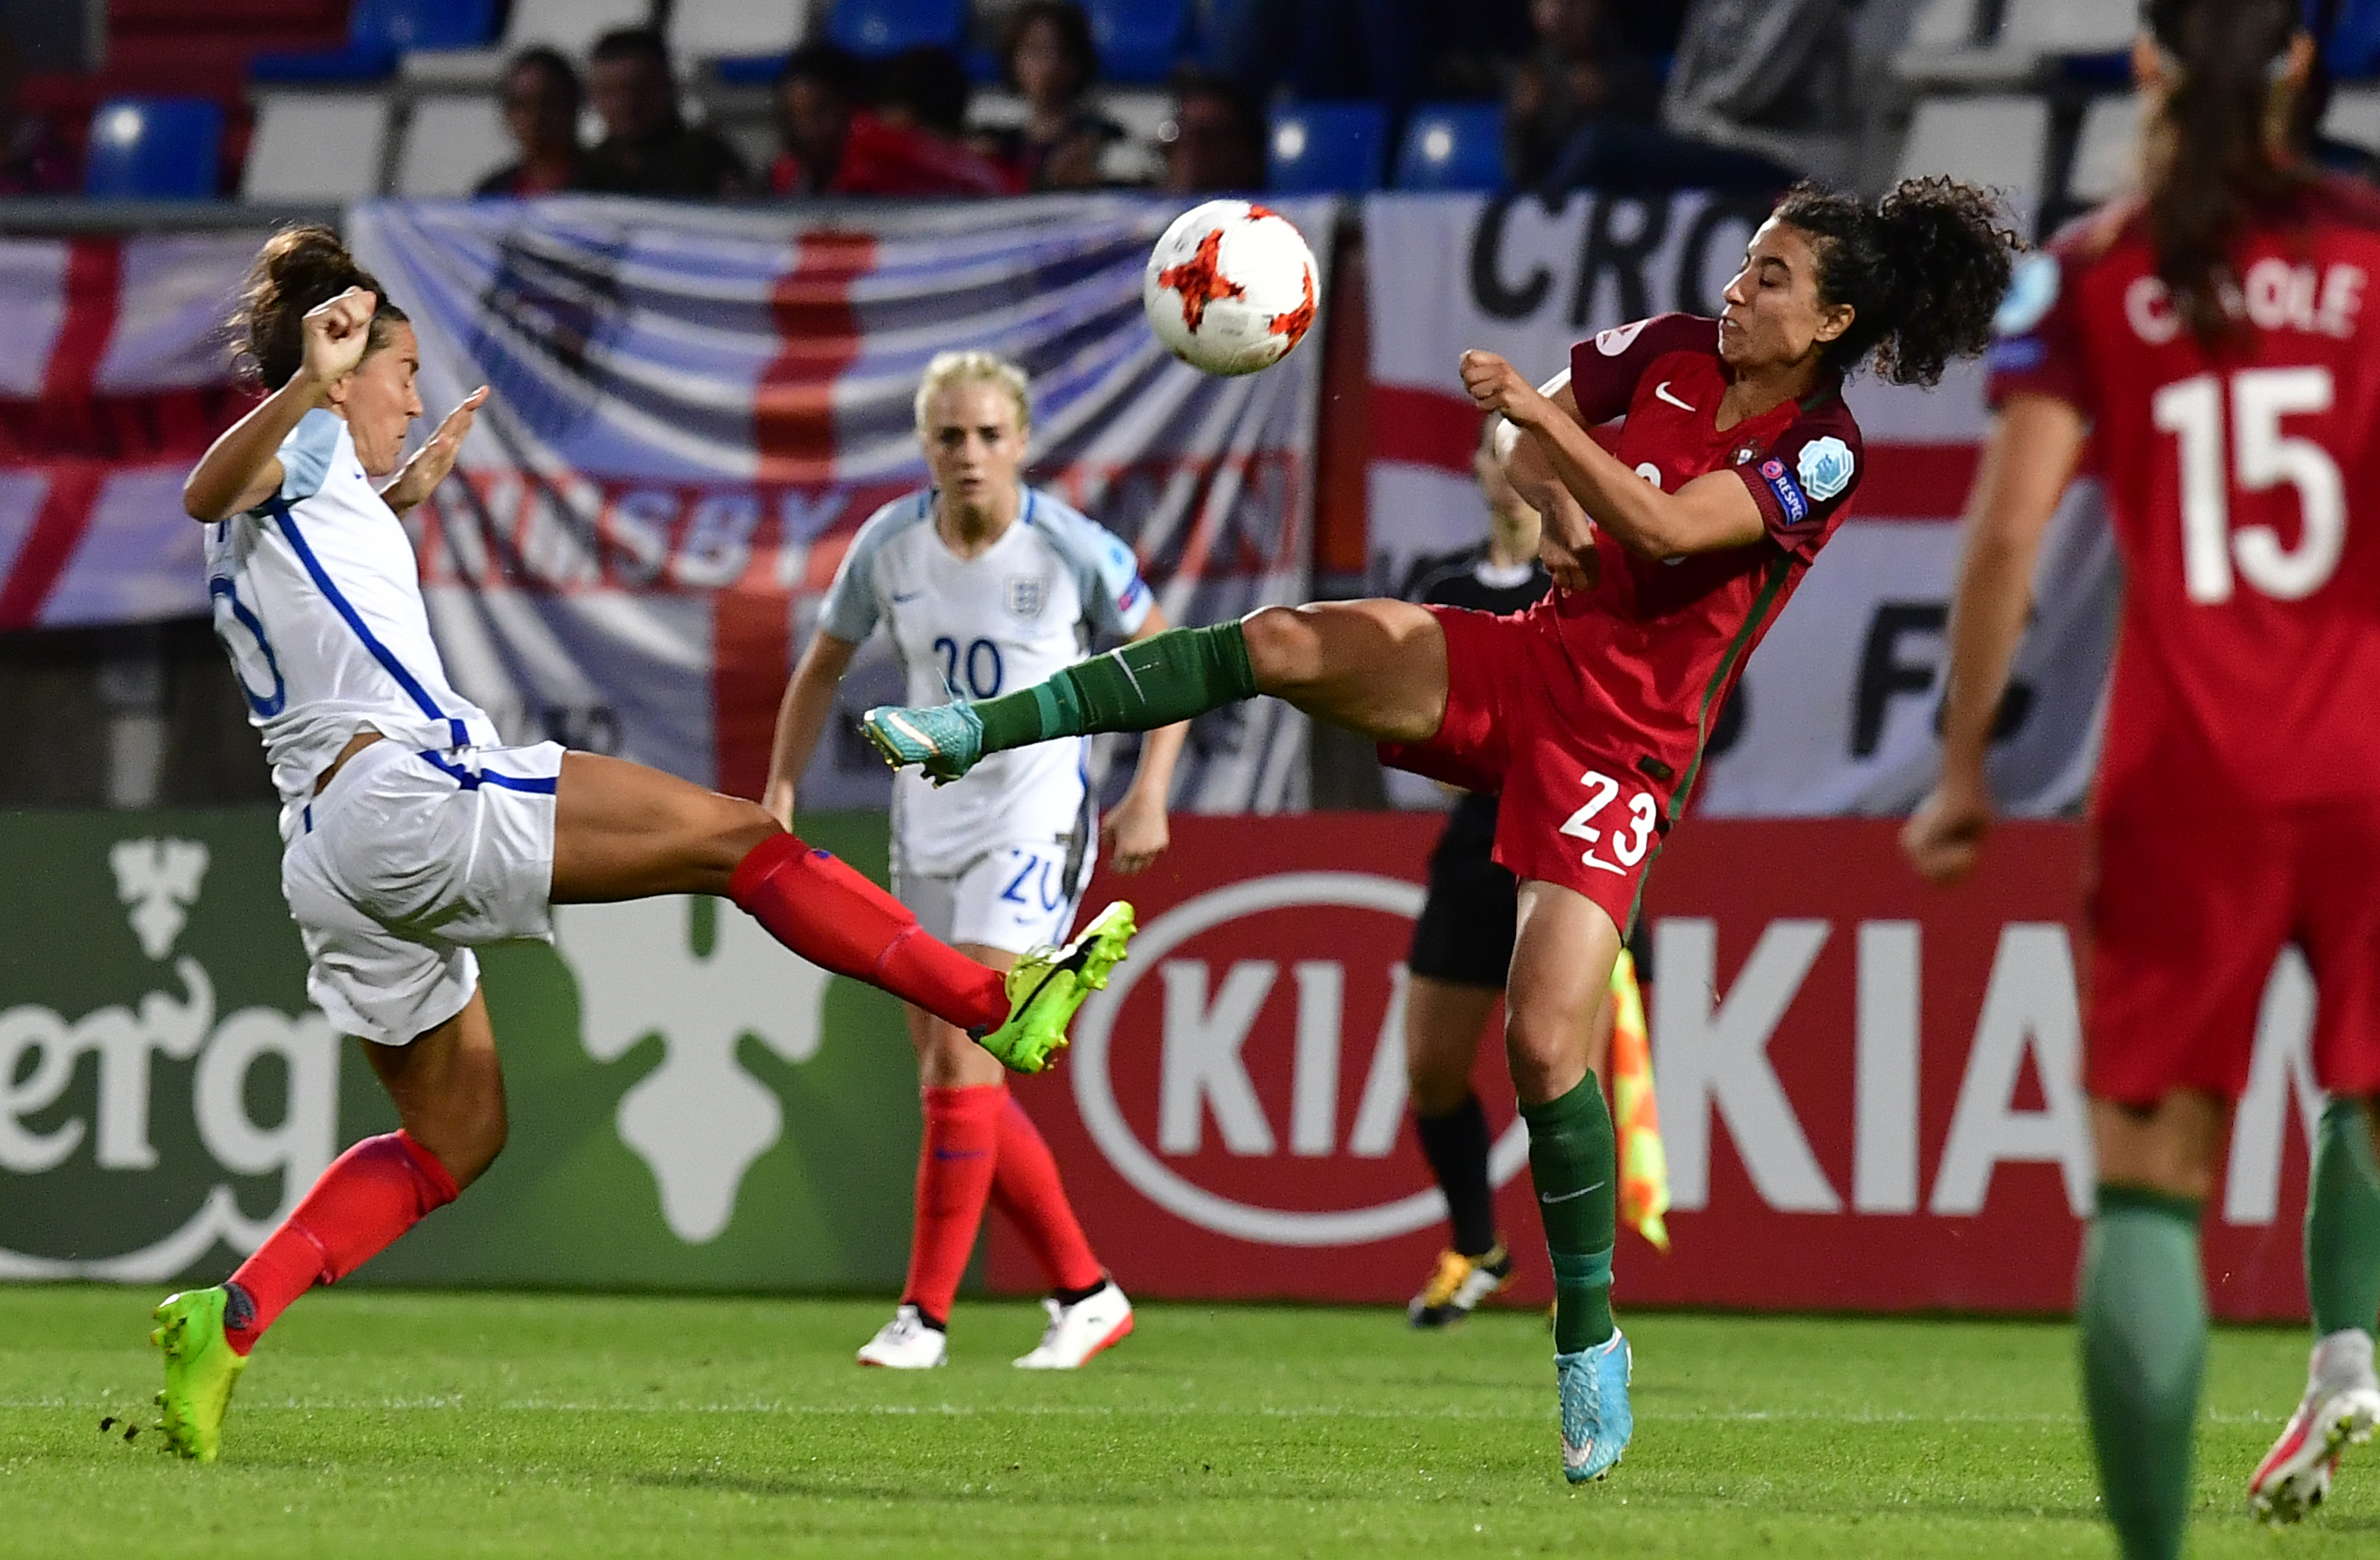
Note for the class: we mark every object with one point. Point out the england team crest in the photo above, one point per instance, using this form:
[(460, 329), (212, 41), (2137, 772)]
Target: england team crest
[(1025, 597)]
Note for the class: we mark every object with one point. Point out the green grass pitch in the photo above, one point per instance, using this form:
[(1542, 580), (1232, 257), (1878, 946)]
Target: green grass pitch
[(421, 1425)]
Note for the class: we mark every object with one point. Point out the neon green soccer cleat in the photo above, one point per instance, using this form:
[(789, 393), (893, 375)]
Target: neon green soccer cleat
[(1047, 984), (200, 1370)]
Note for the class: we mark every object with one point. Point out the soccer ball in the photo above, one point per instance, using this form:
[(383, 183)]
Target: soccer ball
[(1231, 288)]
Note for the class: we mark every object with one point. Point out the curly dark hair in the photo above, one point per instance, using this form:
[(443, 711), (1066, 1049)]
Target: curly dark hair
[(298, 268), (2210, 168), (1923, 271)]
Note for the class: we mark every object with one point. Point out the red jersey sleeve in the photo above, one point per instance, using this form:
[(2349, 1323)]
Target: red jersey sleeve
[(1803, 481), (2037, 335), (1604, 368)]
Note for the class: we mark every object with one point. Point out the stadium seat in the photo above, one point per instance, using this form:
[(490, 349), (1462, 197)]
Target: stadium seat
[(1139, 39), (154, 149), (450, 145), (1998, 141), (2355, 116), (316, 146), (1453, 146), (737, 29), (379, 32), (2106, 152), (2354, 47), (1321, 147), (877, 28), (2069, 27)]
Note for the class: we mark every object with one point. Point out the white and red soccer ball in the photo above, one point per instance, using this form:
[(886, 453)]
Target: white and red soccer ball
[(1231, 288)]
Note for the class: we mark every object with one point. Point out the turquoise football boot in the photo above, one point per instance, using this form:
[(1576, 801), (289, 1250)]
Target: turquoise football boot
[(1595, 1420), (945, 741)]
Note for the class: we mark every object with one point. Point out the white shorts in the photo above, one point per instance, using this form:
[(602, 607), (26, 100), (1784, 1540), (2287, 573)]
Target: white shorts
[(406, 862), (1017, 899)]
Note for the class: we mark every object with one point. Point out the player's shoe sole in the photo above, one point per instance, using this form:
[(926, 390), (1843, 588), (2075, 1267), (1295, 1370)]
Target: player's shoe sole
[(1597, 1423), (200, 1370), (945, 741), (2296, 1474), (1047, 984)]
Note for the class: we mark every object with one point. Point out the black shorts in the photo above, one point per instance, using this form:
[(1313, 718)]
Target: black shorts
[(1464, 936)]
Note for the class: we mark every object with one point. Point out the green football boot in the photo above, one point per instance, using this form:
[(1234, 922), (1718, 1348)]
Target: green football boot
[(1049, 983), (945, 741), (200, 1370)]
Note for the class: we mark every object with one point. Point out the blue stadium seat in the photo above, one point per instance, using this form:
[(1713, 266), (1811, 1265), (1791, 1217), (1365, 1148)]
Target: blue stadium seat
[(157, 148), (2353, 50), (1453, 146), (378, 32), (1139, 39), (877, 28), (1321, 147)]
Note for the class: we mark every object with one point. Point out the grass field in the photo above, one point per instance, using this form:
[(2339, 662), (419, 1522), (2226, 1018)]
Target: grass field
[(432, 1425)]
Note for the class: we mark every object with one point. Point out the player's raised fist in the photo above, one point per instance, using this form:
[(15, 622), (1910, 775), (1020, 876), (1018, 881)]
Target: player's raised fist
[(337, 332), (1495, 384)]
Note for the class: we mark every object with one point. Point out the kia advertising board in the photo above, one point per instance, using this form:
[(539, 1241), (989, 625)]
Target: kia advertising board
[(1867, 1087)]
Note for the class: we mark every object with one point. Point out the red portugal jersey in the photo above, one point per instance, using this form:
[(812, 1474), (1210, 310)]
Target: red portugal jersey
[(1658, 644), (2245, 487)]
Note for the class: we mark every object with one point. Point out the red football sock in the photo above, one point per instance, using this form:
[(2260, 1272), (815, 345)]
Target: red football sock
[(837, 919), (1024, 1186), (371, 1195), (954, 1166)]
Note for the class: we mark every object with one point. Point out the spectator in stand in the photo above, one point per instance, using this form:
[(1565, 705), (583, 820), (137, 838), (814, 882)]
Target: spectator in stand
[(836, 143), (1768, 77), (540, 98), (35, 158), (1215, 143), (1580, 74), (1582, 116), (1048, 57), (647, 148)]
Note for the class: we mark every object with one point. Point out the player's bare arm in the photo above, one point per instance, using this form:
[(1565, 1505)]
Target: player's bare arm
[(431, 463), (242, 469), (1136, 834), (2026, 462), (1709, 513), (802, 715)]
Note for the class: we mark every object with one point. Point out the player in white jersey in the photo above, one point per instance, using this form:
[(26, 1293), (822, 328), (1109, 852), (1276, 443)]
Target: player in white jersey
[(412, 835), (984, 584)]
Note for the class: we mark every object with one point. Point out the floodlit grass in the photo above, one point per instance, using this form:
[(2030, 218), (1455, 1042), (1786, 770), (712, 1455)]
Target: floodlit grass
[(428, 1425)]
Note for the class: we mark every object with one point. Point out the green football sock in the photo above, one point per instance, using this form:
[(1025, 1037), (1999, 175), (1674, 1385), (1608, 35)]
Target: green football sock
[(2342, 1227), (1574, 1161), (2141, 1315), (1156, 681)]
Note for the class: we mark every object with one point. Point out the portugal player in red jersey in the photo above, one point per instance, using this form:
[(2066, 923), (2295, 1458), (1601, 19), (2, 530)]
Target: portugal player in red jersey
[(2217, 337), (1588, 712)]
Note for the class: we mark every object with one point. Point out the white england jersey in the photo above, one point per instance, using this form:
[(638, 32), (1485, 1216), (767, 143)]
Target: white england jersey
[(318, 601), (1018, 612)]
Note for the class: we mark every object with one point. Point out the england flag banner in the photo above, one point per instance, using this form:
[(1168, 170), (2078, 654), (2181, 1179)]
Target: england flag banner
[(695, 410), (1835, 714)]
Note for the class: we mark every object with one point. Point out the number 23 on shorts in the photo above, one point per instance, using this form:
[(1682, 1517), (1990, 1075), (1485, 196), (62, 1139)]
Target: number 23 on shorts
[(1627, 840)]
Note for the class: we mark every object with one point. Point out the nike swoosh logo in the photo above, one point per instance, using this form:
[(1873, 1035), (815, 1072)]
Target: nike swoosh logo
[(1568, 1195), (898, 598), (1661, 393), (959, 1153)]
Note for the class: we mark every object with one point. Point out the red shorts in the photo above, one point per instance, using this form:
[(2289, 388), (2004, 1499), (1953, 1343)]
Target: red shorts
[(2191, 899), (1577, 811)]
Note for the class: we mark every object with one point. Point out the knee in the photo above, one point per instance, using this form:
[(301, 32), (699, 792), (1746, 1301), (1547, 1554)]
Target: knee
[(1547, 1051), (1281, 648), (1436, 1084), (730, 828)]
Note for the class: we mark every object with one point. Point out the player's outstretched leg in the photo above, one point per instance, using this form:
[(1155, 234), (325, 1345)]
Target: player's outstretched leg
[(1166, 678), (2341, 1404)]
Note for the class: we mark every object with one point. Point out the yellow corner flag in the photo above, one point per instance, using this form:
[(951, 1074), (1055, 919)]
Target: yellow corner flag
[(1644, 1168)]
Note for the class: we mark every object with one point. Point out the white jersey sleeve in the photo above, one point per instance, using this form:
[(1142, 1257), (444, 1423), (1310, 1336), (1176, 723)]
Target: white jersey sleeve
[(854, 603), (1115, 599)]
